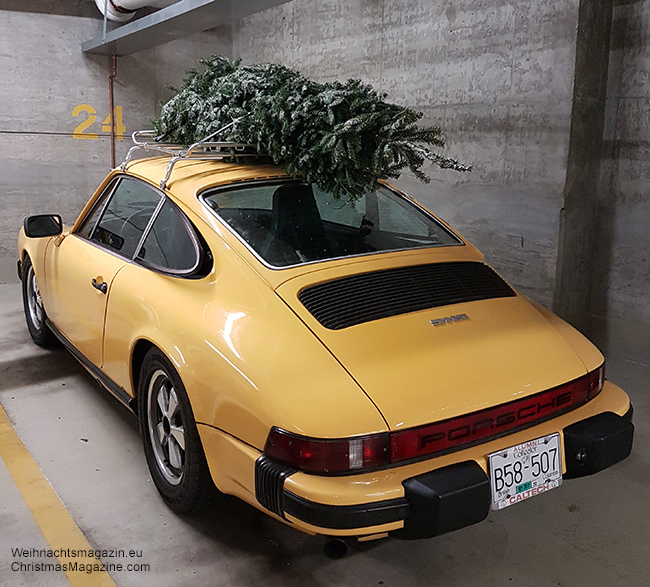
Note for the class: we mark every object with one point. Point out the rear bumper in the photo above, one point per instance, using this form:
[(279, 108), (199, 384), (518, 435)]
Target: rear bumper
[(598, 442), (444, 499)]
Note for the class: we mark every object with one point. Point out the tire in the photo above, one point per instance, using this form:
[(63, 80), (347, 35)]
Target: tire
[(172, 445), (35, 315)]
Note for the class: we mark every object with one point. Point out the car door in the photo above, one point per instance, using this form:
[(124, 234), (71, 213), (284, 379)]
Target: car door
[(155, 296), (81, 266)]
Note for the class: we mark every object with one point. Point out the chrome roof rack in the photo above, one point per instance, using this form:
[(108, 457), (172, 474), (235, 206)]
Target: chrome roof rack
[(204, 150)]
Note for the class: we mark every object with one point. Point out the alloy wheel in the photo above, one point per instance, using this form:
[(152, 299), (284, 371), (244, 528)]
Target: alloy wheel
[(34, 302), (166, 427)]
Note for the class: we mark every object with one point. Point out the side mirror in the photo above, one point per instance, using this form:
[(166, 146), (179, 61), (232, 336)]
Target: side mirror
[(43, 225)]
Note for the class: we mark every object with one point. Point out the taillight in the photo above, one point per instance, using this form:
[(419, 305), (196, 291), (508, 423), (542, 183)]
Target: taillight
[(596, 381), (328, 456), (356, 454)]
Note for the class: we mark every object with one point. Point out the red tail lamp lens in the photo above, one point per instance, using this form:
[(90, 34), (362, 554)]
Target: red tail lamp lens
[(329, 456), (596, 381)]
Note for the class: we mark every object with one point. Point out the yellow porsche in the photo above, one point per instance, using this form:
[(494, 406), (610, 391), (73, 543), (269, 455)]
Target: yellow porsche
[(351, 368)]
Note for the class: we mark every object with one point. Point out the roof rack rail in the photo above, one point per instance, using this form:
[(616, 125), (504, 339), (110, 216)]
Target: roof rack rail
[(204, 150)]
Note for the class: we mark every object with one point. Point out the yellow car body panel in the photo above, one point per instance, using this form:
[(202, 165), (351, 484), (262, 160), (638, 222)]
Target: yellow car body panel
[(252, 357)]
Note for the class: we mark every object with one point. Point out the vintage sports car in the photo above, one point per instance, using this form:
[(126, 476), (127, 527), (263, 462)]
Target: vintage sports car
[(351, 368)]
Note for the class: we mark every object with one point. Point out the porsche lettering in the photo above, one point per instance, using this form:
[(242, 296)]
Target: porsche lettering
[(511, 418)]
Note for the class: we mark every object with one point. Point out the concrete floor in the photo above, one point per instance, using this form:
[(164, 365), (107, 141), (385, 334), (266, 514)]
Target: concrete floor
[(593, 531)]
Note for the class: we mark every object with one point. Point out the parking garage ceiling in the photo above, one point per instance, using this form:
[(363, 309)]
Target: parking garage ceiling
[(181, 19)]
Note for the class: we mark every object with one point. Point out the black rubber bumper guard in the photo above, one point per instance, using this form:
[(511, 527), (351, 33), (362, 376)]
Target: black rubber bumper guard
[(448, 498), (598, 442)]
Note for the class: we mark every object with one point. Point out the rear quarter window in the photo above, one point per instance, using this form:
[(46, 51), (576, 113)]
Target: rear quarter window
[(170, 244)]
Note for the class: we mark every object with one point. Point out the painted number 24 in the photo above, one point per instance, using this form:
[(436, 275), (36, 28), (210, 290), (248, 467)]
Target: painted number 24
[(82, 127)]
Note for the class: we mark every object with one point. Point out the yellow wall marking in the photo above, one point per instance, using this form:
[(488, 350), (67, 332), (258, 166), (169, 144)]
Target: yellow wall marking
[(80, 131), (56, 523)]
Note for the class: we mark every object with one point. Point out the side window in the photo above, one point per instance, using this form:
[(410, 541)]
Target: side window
[(90, 222), (126, 216), (170, 244)]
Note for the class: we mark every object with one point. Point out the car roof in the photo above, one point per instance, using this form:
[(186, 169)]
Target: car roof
[(189, 177)]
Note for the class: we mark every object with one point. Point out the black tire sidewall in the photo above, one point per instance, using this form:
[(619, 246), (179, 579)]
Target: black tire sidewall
[(42, 335), (195, 483)]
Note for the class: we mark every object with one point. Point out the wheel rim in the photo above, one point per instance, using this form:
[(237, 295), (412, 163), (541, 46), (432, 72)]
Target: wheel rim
[(166, 427), (34, 302)]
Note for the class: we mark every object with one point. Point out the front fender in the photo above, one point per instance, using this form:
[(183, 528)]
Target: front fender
[(36, 249)]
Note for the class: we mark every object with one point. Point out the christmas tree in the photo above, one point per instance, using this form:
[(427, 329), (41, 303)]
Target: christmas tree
[(341, 136)]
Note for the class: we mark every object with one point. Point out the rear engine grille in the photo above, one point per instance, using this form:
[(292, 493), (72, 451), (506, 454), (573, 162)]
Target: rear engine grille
[(362, 298)]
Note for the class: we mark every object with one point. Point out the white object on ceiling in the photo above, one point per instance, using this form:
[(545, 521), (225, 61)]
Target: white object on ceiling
[(177, 19), (123, 10)]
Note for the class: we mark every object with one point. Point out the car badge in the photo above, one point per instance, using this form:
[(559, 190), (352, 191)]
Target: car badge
[(449, 319)]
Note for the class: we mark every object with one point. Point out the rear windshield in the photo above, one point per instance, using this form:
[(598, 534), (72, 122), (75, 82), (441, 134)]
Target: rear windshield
[(291, 223)]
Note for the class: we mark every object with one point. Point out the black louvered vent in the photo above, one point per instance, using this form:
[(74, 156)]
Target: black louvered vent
[(370, 296), (269, 483)]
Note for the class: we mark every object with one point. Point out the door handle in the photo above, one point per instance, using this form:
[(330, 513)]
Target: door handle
[(100, 285)]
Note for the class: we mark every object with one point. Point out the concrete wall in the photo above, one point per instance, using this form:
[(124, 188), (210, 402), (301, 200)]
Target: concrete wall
[(496, 75), (43, 77), (574, 274), (621, 293)]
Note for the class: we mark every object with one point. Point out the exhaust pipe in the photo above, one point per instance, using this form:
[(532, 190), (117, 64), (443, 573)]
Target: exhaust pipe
[(123, 10), (335, 548)]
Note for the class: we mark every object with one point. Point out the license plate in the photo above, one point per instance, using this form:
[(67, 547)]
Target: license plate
[(523, 471)]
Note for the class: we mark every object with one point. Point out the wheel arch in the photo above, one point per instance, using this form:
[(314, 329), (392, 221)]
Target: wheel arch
[(140, 350), (22, 253), (35, 249), (186, 483), (25, 253)]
